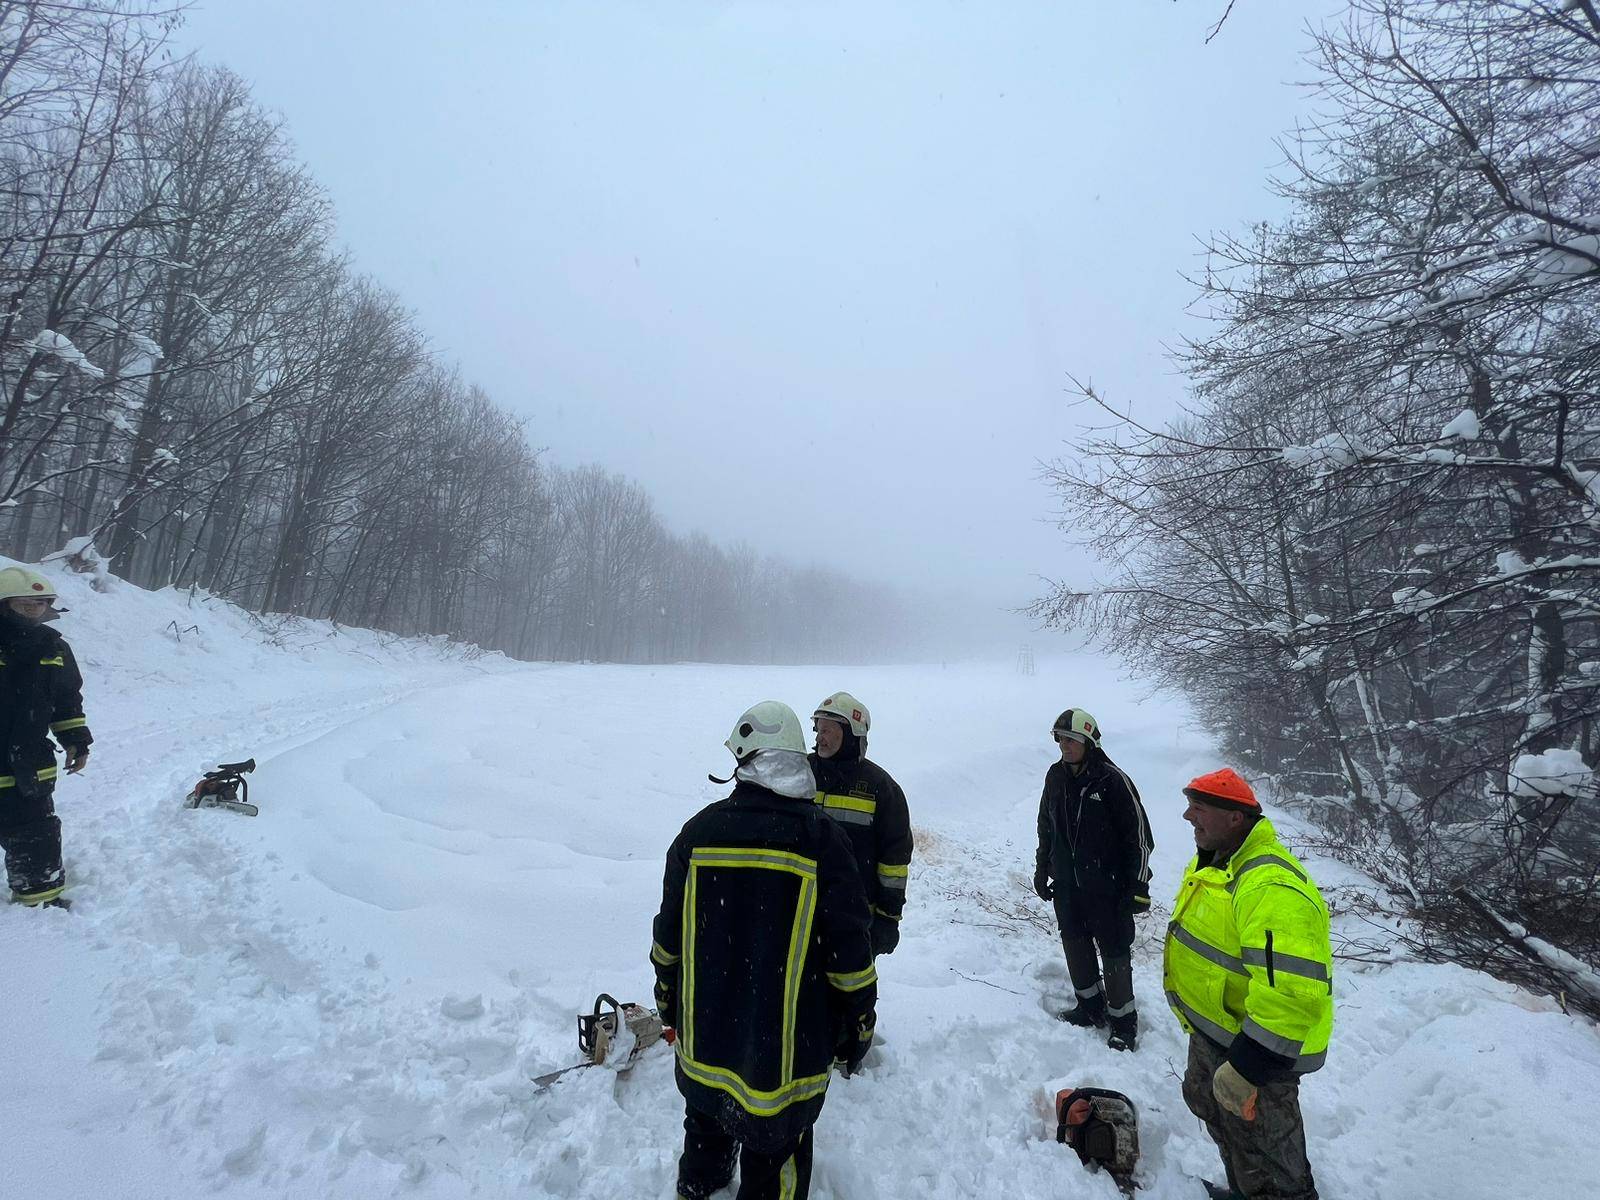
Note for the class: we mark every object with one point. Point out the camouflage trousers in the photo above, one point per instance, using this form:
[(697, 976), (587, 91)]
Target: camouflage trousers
[(1264, 1158)]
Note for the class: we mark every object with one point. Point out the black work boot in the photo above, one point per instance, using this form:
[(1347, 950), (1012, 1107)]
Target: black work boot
[(1124, 1032), (1090, 1013)]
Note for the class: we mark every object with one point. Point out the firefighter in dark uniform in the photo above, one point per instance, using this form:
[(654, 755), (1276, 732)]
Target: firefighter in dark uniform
[(1094, 862), (40, 698), (763, 963), (861, 796)]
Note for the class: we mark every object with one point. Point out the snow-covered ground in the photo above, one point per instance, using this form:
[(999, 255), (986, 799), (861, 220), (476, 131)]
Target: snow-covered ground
[(346, 996)]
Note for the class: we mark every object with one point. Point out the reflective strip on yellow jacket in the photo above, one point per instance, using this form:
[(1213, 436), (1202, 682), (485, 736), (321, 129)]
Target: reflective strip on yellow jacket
[(1248, 951)]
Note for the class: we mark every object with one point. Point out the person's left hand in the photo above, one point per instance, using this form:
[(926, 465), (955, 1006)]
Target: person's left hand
[(77, 759)]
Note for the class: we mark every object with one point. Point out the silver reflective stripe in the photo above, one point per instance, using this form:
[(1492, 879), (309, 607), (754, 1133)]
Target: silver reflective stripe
[(1089, 993), (1289, 964), (1287, 1047), (1122, 1010), (1219, 1035), (898, 882), (849, 816), (1264, 860), (1207, 951)]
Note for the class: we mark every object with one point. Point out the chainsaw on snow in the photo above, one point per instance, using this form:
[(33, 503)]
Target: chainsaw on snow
[(610, 1031), (226, 787)]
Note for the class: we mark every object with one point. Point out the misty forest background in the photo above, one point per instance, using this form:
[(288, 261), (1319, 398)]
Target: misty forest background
[(201, 391), (1369, 555)]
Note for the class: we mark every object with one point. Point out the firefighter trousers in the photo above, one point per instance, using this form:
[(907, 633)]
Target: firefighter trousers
[(30, 835), (709, 1153)]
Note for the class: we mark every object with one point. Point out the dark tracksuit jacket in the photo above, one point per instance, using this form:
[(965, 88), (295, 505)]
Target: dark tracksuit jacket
[(1095, 841), (763, 961), (871, 808), (41, 695)]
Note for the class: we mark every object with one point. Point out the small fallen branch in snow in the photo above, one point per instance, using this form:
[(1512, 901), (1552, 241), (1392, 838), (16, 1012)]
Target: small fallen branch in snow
[(986, 983)]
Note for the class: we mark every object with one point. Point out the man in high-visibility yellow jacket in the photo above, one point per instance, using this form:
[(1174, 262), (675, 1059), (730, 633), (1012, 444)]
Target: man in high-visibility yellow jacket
[(1249, 973)]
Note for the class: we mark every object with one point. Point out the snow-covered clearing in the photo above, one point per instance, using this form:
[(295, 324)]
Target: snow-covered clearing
[(346, 996)]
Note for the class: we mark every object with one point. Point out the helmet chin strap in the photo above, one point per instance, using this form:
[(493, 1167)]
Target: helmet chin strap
[(714, 779)]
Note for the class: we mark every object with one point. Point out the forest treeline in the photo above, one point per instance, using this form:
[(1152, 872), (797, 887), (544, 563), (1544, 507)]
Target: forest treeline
[(1370, 552), (199, 389)]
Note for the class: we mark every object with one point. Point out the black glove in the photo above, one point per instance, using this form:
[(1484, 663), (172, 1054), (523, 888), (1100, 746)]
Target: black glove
[(1041, 885), (854, 1042), (1141, 900), (666, 1003), (885, 935)]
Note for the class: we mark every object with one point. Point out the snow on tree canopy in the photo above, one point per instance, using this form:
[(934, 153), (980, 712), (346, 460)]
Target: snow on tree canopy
[(1572, 258), (1332, 450), (1412, 599), (1464, 426), (1552, 773), (48, 341)]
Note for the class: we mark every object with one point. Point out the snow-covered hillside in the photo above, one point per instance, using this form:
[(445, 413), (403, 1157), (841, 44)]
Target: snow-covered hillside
[(346, 996)]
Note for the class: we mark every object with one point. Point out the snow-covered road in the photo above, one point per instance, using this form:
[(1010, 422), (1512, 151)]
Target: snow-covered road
[(346, 996)]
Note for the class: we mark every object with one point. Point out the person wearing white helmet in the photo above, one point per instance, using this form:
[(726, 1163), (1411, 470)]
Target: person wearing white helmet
[(1093, 862), (41, 696), (763, 964), (863, 798)]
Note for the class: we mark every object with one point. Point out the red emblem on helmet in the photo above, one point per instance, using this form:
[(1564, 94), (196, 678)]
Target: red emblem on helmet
[(38, 587), (855, 714)]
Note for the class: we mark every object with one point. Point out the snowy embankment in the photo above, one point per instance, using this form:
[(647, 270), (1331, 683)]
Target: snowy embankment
[(346, 996)]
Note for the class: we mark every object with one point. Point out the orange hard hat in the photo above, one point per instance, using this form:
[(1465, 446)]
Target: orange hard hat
[(1225, 789)]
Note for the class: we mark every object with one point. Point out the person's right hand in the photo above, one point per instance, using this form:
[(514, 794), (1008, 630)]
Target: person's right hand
[(1041, 885), (1234, 1092)]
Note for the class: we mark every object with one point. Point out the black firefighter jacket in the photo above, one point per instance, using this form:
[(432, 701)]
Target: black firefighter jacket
[(1093, 833), (762, 960), (863, 798), (41, 693)]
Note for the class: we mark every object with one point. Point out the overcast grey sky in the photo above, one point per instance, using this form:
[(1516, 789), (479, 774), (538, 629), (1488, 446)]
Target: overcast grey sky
[(813, 274)]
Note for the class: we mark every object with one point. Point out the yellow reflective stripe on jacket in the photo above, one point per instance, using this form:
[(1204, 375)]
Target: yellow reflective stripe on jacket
[(853, 981), (663, 957), (57, 661), (69, 723), (753, 1100), (848, 810), (43, 775), (749, 858), (887, 916), (805, 912), (1248, 950), (893, 875)]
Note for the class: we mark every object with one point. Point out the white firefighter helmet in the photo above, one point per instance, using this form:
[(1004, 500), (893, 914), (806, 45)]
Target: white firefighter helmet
[(846, 709), (1078, 725), (770, 725), (19, 583)]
